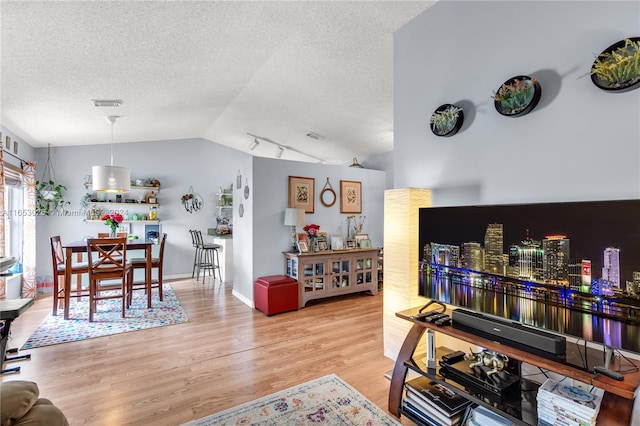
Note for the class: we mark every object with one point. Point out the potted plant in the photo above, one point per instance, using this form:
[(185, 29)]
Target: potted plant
[(618, 67), (446, 120), (517, 96), (49, 197)]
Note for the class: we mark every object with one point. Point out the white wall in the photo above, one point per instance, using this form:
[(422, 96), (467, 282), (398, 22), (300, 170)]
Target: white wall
[(580, 143)]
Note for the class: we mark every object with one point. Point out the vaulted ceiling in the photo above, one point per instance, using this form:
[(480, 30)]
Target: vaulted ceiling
[(204, 69)]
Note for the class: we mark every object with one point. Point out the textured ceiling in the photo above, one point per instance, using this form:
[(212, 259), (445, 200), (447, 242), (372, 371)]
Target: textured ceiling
[(216, 70)]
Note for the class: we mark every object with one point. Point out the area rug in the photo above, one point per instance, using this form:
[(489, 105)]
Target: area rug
[(108, 319), (324, 401)]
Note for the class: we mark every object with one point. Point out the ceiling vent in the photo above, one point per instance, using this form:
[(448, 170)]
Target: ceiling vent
[(106, 102)]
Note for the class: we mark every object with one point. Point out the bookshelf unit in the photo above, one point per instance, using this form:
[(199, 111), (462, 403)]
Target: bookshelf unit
[(615, 409)]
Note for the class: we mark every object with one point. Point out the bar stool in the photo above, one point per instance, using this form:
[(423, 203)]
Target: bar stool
[(207, 257)]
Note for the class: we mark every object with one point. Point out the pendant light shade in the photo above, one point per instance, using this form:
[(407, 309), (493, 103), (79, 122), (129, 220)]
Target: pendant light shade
[(111, 178)]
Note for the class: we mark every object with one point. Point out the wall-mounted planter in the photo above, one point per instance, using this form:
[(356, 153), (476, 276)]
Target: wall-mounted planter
[(446, 120), (517, 96), (617, 68)]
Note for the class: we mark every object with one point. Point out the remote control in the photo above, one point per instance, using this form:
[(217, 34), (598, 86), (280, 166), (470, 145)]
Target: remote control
[(434, 318), (443, 321), (609, 373), (421, 316)]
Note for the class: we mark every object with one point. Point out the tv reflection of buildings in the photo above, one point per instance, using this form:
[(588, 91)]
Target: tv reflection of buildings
[(549, 307)]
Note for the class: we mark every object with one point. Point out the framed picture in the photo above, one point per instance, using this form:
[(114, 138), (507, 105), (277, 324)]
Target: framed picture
[(350, 196), (351, 243), (365, 244), (360, 237), (336, 242), (302, 193), (303, 246), (322, 243), (302, 236)]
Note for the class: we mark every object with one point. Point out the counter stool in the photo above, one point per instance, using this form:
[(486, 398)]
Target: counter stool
[(207, 257)]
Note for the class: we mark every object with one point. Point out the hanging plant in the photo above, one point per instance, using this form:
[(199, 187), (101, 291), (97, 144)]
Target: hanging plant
[(191, 202), (49, 199)]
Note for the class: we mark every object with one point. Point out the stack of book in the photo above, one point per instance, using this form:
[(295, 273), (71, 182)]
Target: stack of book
[(562, 404), (432, 403)]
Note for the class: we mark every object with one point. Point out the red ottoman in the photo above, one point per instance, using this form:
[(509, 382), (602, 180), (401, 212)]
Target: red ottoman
[(275, 294)]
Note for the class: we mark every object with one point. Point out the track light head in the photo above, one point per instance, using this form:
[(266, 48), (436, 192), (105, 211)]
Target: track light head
[(279, 152), (254, 144)]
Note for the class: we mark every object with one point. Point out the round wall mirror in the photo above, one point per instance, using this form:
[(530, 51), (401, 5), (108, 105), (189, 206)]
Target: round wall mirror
[(328, 197)]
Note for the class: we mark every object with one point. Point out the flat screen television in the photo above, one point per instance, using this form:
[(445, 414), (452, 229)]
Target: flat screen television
[(571, 268)]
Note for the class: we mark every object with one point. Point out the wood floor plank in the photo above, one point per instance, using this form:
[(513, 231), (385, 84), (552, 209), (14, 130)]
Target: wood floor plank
[(227, 354)]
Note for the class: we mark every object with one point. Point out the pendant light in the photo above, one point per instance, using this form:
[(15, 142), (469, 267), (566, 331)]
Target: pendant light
[(111, 178)]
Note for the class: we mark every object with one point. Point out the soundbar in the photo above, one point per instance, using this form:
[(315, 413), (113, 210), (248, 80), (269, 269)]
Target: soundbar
[(505, 331)]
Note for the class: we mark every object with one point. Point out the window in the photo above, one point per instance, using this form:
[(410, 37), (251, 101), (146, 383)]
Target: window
[(14, 209)]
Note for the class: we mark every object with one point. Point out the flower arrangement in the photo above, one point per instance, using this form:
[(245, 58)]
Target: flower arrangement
[(620, 67), (312, 230), (444, 121), (112, 220), (186, 197), (516, 96)]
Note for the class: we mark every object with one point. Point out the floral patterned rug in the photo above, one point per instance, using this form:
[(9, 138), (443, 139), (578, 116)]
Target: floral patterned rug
[(324, 401), (108, 319)]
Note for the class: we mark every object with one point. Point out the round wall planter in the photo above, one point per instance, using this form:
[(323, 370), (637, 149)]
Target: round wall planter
[(523, 109), (454, 128), (622, 87)]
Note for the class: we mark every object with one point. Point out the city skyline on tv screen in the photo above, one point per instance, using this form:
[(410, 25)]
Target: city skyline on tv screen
[(590, 227)]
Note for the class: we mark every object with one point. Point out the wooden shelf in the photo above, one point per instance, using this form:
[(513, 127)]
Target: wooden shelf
[(124, 221), (147, 188), (124, 204), (617, 402)]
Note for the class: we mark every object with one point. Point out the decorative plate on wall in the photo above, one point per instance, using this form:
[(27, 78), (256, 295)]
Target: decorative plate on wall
[(517, 96), (446, 120), (617, 68)]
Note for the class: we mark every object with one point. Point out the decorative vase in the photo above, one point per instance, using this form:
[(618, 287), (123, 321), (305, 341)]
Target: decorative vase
[(113, 231)]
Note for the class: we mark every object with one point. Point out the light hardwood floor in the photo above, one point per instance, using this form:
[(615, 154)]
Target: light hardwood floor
[(225, 355)]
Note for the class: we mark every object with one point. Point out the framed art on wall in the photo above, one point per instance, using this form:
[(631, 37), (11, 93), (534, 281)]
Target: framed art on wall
[(350, 196), (302, 193)]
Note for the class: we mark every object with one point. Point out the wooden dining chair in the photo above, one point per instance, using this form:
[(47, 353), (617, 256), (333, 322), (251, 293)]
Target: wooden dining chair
[(156, 263), (107, 235), (59, 268), (110, 276)]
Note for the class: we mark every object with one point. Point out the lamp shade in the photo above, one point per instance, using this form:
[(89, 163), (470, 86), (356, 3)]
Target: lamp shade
[(111, 179), (294, 217)]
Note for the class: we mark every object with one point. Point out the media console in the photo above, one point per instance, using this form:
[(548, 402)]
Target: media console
[(617, 403)]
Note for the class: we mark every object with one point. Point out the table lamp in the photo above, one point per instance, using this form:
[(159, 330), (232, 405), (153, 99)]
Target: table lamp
[(293, 218)]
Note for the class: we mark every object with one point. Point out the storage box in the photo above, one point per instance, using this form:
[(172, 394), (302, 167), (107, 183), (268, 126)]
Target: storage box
[(275, 294)]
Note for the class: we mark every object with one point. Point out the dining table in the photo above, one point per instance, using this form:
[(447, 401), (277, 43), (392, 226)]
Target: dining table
[(81, 247)]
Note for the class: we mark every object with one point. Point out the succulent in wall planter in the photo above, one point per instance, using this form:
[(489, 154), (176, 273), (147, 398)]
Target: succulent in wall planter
[(49, 197), (517, 96), (446, 120), (617, 68)]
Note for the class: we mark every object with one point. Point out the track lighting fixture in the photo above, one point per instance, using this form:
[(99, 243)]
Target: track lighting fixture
[(280, 148)]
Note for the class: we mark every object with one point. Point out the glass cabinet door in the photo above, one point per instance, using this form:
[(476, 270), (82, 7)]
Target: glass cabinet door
[(364, 270), (313, 276)]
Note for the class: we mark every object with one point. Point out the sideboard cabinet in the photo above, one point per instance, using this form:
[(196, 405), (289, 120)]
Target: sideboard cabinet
[(332, 273)]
